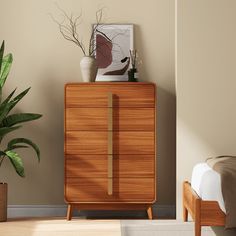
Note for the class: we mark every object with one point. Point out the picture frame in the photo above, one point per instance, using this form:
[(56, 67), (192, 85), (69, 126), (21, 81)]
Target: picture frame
[(112, 45)]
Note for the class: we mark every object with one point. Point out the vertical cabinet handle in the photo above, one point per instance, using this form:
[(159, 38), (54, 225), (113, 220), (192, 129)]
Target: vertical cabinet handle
[(110, 145)]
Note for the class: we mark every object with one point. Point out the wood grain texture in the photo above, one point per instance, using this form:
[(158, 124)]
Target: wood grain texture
[(197, 217), (95, 166), (211, 214), (86, 145), (189, 199), (204, 213), (96, 94), (124, 190), (92, 142), (124, 119), (110, 206), (192, 203)]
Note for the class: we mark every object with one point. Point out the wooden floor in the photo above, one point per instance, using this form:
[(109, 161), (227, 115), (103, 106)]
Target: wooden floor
[(60, 227), (82, 227)]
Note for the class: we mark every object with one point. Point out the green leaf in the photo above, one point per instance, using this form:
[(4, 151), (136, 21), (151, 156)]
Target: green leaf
[(19, 118), (4, 109), (1, 53), (16, 162), (16, 147), (25, 141), (1, 57), (8, 98), (6, 130), (0, 94), (18, 98), (5, 69)]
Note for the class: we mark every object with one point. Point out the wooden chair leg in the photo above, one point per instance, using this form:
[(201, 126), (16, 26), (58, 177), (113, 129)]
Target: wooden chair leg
[(149, 212), (69, 212)]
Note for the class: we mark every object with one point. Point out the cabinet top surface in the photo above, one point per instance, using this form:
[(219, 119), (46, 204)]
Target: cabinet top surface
[(109, 83)]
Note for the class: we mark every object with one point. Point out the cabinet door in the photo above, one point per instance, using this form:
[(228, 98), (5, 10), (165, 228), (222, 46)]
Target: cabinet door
[(95, 190), (95, 142), (96, 94), (124, 119)]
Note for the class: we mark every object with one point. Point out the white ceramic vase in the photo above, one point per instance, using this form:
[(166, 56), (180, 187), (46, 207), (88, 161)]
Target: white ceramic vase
[(89, 68)]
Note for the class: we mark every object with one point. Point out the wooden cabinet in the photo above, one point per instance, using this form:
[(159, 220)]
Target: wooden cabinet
[(110, 146)]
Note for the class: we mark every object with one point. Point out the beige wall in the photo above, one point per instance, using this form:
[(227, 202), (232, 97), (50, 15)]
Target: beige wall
[(45, 61), (206, 84)]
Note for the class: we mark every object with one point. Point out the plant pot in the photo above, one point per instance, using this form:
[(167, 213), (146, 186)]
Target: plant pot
[(3, 202), (89, 68)]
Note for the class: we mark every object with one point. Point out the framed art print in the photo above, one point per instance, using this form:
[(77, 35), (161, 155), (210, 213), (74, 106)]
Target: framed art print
[(112, 45)]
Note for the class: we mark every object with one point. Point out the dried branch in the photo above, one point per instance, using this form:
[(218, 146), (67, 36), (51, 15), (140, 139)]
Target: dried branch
[(99, 17), (68, 27)]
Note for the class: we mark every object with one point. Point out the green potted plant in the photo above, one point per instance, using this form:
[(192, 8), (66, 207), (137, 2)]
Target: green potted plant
[(9, 122)]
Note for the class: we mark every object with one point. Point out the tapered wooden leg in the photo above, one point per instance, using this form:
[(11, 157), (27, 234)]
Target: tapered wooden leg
[(149, 212), (69, 212), (197, 218), (185, 214), (185, 211), (197, 229)]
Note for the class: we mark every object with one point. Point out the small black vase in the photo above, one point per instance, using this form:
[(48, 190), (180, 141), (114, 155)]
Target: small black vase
[(133, 75)]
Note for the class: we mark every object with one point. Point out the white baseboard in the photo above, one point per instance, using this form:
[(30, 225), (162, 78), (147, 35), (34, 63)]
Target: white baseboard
[(162, 211)]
